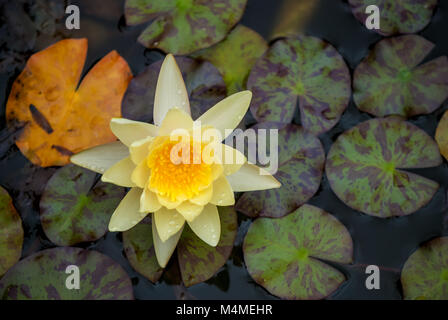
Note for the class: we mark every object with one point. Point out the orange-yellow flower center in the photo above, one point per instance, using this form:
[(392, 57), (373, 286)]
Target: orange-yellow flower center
[(178, 170)]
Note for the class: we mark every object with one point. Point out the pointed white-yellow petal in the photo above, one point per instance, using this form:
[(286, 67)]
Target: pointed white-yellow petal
[(140, 175), (102, 157), (149, 202), (175, 119), (127, 214), (170, 90), (232, 159), (164, 250), (222, 193), (228, 113), (139, 150), (129, 131), (203, 197), (251, 178), (166, 202), (168, 222), (207, 225), (189, 210), (120, 173)]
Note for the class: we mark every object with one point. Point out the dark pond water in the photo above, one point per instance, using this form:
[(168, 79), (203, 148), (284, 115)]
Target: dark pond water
[(383, 242)]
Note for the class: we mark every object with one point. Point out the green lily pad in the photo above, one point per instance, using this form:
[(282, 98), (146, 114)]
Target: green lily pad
[(442, 135), (390, 81), (183, 26), (301, 163), (198, 261), (204, 84), (397, 16), (75, 207), (425, 273), (304, 69), (11, 233), (363, 167), (235, 56), (42, 276), (139, 248), (285, 255)]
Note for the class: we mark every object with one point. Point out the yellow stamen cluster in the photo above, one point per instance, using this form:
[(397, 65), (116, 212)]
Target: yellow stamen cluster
[(182, 180)]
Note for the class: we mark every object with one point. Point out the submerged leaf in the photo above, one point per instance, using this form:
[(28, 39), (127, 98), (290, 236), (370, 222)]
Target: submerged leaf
[(42, 276), (55, 118), (390, 81), (11, 233), (301, 163), (396, 16), (284, 255), (76, 207), (198, 261), (235, 56), (183, 26), (204, 84), (363, 167), (304, 69), (425, 273), (139, 248)]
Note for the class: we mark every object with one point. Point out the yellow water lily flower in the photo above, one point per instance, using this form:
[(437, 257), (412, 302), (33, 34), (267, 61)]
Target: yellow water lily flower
[(176, 192)]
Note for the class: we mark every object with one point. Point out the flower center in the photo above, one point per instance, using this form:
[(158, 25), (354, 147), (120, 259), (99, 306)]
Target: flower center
[(178, 170)]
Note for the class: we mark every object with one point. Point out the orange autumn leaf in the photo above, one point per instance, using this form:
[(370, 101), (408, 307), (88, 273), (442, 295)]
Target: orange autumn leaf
[(54, 116)]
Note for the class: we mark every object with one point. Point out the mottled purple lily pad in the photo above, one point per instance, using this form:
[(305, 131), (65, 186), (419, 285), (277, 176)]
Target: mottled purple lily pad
[(235, 56), (183, 26), (363, 167), (139, 248), (390, 81), (204, 84), (304, 69), (11, 233), (425, 273), (76, 207), (301, 160), (285, 255), (42, 276), (198, 261), (396, 16)]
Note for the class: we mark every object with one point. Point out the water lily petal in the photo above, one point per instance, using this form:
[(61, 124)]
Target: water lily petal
[(207, 225), (167, 202), (141, 174), (203, 197), (222, 193), (102, 157), (189, 210), (168, 222), (170, 90), (164, 250), (127, 213), (217, 170), (232, 159), (175, 119), (120, 173), (149, 202), (250, 178), (129, 131), (139, 150), (228, 113)]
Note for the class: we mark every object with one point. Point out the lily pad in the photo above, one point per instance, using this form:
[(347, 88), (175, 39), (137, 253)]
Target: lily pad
[(235, 56), (76, 207), (304, 69), (139, 248), (425, 273), (42, 276), (397, 16), (56, 118), (285, 255), (204, 84), (301, 160), (11, 233), (442, 135), (390, 81), (183, 26), (363, 167), (198, 261)]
